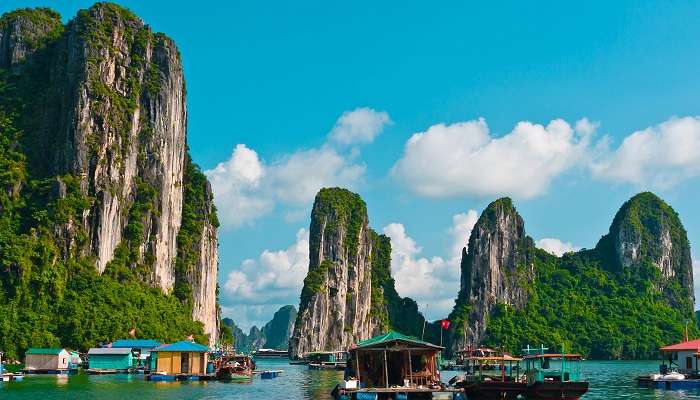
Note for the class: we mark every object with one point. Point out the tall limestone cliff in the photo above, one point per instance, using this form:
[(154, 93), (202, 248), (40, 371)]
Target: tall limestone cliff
[(621, 299), (647, 230), (336, 302), (495, 268), (98, 112)]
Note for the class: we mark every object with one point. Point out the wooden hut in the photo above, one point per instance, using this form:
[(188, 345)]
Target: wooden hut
[(110, 359), (46, 360), (396, 360), (180, 358)]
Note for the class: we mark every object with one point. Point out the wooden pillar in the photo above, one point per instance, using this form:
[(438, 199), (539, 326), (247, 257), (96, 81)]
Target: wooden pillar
[(357, 363), (410, 370), (386, 372)]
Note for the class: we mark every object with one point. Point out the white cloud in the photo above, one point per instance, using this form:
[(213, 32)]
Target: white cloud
[(274, 277), (236, 183), (246, 187), (464, 159), (556, 246), (297, 177), (660, 156), (359, 126), (413, 273), (272, 280)]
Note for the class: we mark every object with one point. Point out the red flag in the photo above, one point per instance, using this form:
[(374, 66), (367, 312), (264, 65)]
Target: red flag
[(445, 324)]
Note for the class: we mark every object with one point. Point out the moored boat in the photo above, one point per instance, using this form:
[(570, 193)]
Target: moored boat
[(235, 368), (545, 376), (326, 360)]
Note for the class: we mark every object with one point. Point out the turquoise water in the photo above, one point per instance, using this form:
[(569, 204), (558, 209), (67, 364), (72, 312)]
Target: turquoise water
[(609, 380)]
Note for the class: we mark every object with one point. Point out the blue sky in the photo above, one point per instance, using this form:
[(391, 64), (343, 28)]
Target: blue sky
[(276, 77)]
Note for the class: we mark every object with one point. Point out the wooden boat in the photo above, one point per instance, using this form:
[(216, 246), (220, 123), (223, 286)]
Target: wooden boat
[(327, 360), (541, 380), (235, 368)]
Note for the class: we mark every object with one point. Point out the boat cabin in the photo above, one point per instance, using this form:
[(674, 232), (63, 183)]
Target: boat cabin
[(554, 367), (470, 351), (502, 368), (186, 358), (394, 359)]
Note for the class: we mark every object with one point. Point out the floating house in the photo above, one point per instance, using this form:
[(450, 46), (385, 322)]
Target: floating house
[(682, 356), (141, 349), (181, 358), (393, 365), (110, 359), (47, 360)]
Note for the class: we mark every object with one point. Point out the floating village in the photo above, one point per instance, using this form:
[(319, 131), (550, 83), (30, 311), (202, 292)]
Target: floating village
[(389, 366)]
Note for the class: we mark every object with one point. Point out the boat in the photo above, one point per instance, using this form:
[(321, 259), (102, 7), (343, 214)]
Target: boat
[(679, 369), (271, 353), (326, 360), (235, 368), (545, 376)]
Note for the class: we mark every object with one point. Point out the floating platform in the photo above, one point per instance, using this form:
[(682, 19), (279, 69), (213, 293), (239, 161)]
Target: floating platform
[(668, 384), (10, 377), (340, 365), (102, 371), (50, 371), (270, 373), (399, 393), (179, 377)]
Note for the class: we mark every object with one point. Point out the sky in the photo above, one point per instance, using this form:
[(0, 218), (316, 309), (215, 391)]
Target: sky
[(429, 111)]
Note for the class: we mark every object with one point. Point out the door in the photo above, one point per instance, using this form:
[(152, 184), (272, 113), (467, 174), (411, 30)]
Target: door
[(689, 363), (185, 363)]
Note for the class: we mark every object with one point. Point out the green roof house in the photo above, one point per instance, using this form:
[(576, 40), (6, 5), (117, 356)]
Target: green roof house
[(46, 359), (107, 358)]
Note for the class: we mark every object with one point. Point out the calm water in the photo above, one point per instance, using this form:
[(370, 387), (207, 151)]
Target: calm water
[(609, 380)]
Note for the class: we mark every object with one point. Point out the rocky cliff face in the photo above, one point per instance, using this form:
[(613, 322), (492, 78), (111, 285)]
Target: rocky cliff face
[(495, 269), (274, 335), (336, 301), (278, 331), (110, 119), (647, 230)]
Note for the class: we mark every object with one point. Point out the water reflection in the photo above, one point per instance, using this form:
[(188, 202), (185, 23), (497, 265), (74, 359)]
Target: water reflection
[(609, 380)]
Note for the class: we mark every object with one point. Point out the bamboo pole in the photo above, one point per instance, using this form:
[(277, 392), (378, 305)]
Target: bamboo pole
[(357, 362), (410, 370), (386, 372)]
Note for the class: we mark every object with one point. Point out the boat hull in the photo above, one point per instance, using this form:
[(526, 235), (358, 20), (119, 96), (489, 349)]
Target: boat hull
[(537, 391), (557, 390)]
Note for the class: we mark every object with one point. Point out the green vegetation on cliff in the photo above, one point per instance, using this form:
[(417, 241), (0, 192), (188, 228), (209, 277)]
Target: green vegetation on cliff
[(50, 292), (590, 303)]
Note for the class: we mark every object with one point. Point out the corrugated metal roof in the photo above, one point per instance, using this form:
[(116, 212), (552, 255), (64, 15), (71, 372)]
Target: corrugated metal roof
[(687, 346), (182, 346), (108, 350), (393, 336), (53, 352), (137, 343)]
